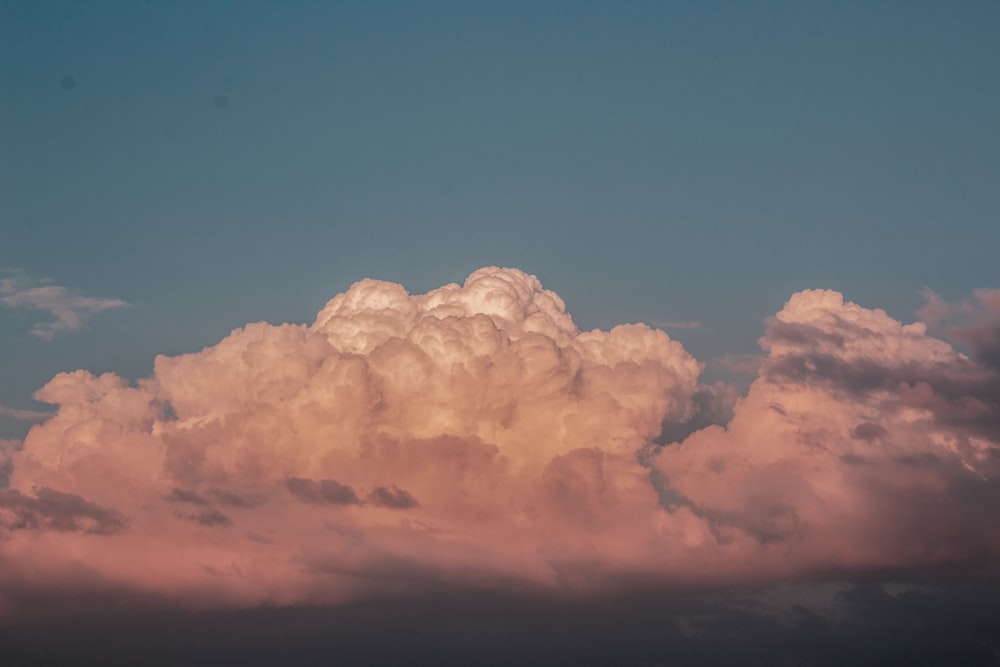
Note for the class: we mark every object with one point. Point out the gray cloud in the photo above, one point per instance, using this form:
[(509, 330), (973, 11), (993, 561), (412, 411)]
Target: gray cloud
[(960, 392), (178, 495), (236, 500), (324, 491), (392, 497), (54, 510), (211, 517)]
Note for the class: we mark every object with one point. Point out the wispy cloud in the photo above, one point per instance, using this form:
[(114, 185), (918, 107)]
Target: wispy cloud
[(673, 324), (23, 415), (739, 363), (68, 308)]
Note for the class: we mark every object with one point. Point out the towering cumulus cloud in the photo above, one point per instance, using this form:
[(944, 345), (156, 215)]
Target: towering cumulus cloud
[(473, 436)]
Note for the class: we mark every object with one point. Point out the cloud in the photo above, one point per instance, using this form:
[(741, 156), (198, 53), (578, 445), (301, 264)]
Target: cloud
[(322, 491), (207, 518), (177, 495), (473, 436), (863, 444), (53, 510), (974, 322), (68, 308), (23, 415), (677, 324), (8, 448), (392, 497)]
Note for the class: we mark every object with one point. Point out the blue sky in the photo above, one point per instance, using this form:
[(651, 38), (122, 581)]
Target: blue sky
[(217, 163)]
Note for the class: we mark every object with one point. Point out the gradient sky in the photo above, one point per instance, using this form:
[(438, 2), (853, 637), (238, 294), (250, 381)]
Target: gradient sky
[(648, 161), (171, 171)]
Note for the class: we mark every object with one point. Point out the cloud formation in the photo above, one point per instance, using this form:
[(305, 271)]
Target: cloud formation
[(863, 443), (473, 436), (69, 309)]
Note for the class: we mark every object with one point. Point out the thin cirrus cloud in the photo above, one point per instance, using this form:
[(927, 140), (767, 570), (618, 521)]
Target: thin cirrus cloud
[(474, 436), (66, 309), (23, 415), (680, 324)]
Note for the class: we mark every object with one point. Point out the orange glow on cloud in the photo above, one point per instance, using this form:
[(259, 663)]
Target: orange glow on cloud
[(473, 436)]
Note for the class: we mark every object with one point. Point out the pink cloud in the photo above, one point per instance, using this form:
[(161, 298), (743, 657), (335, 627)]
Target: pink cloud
[(23, 415), (473, 435), (853, 448)]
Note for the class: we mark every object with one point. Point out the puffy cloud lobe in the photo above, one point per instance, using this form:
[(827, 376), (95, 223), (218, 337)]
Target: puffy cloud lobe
[(856, 352), (474, 436), (863, 443)]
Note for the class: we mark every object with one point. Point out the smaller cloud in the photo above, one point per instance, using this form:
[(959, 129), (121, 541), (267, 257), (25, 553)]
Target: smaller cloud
[(68, 308), (24, 415)]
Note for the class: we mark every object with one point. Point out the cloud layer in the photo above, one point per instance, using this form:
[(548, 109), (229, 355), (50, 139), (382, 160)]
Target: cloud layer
[(473, 436)]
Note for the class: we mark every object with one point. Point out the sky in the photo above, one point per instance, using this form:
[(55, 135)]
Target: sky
[(468, 314)]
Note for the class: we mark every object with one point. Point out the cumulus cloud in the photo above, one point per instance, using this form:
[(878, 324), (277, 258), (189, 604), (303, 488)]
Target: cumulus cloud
[(68, 309), (864, 443), (974, 322), (474, 436)]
